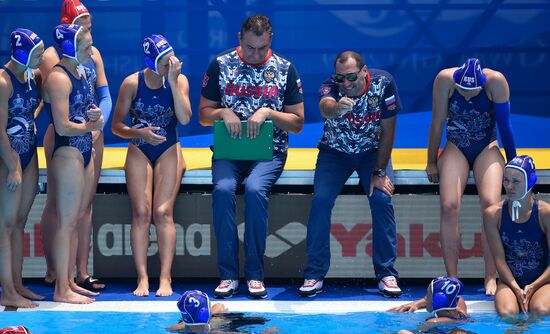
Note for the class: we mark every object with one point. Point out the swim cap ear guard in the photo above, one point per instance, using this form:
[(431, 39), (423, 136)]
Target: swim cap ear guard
[(470, 76), (23, 43), (445, 293), (194, 306), (526, 166), (155, 47), (65, 35)]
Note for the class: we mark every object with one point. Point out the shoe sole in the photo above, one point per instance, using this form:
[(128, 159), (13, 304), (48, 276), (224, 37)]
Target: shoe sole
[(309, 294), (390, 294), (225, 295), (256, 296)]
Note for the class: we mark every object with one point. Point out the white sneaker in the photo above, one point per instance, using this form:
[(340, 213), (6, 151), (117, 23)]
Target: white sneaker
[(310, 288), (388, 287), (227, 288), (256, 289)]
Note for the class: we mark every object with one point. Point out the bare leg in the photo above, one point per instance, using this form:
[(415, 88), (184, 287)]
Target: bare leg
[(8, 215), (69, 176), (28, 193), (506, 302), (453, 176), (139, 181), (75, 240), (488, 171), (167, 180), (539, 306), (85, 227), (48, 221)]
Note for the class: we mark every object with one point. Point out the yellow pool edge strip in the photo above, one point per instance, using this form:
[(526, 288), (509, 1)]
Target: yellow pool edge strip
[(300, 158)]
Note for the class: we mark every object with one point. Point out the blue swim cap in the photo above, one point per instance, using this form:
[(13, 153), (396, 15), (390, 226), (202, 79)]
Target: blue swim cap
[(155, 47), (65, 36), (23, 43), (526, 165), (470, 76), (194, 307), (445, 293)]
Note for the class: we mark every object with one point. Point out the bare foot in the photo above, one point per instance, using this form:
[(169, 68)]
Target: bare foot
[(49, 277), (16, 300), (490, 286), (81, 290), (142, 289), (71, 297), (165, 287), (23, 291)]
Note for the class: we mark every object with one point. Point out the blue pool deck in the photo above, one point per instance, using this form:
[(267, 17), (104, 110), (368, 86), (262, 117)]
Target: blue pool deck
[(282, 298)]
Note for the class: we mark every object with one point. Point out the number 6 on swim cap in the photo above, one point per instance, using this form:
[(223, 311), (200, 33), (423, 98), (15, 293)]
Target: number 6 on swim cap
[(155, 47), (65, 35)]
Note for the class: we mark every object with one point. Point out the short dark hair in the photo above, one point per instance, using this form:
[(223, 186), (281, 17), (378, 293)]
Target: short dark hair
[(343, 57), (258, 24)]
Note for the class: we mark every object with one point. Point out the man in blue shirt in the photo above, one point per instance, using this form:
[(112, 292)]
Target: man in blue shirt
[(359, 106)]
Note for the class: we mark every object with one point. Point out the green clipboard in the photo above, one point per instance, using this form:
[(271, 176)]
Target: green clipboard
[(244, 148)]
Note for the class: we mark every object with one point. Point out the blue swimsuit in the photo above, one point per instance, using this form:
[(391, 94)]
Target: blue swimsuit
[(525, 246), (20, 126), (91, 77), (79, 103), (154, 107), (471, 125)]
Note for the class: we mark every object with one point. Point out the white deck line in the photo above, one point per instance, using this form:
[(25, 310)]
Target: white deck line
[(269, 306)]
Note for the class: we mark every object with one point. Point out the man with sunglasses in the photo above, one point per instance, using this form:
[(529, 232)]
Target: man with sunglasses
[(359, 106)]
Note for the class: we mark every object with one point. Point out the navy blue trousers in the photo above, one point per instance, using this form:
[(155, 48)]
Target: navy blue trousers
[(332, 171), (226, 176)]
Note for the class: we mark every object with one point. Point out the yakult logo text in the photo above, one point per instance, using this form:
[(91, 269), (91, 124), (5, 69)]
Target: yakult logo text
[(419, 244)]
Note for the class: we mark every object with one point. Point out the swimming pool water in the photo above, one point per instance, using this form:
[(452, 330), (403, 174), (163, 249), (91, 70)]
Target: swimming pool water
[(50, 322)]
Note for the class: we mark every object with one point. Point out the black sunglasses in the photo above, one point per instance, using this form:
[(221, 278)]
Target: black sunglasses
[(350, 76)]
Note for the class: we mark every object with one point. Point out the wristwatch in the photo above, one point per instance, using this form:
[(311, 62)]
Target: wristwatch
[(379, 172)]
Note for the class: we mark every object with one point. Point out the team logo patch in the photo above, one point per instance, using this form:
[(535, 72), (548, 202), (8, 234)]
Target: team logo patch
[(325, 90), (299, 83), (391, 107), (269, 75), (205, 80), (373, 101)]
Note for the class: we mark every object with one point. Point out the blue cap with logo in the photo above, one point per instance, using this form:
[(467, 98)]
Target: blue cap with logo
[(65, 36), (23, 43), (445, 293), (470, 76), (194, 307), (155, 47), (526, 165)]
